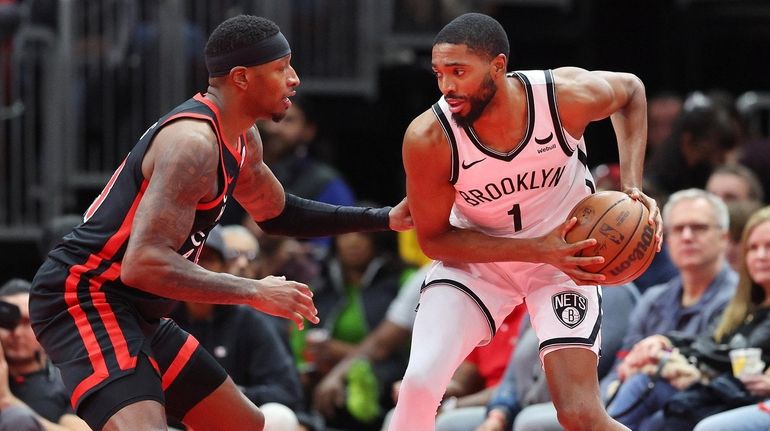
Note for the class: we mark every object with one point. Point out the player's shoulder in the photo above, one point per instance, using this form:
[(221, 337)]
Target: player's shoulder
[(570, 77), (424, 128), (187, 138), (189, 132)]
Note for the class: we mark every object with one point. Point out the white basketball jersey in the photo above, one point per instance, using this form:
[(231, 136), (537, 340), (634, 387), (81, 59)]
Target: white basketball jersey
[(529, 190)]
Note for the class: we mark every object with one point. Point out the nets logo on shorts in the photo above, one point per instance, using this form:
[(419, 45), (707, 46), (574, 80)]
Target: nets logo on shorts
[(570, 308)]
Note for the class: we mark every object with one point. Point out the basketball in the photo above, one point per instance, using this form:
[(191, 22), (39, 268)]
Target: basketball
[(624, 238)]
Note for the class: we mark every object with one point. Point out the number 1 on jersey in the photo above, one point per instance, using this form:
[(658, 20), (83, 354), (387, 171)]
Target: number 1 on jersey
[(516, 213)]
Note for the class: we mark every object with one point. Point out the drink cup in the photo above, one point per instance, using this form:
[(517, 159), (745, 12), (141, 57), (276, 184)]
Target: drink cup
[(746, 362)]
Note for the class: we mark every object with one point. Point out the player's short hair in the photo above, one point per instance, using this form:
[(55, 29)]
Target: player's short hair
[(481, 33), (239, 32)]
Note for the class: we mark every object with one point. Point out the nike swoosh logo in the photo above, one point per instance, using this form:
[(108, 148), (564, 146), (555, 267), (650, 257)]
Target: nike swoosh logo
[(543, 141), (472, 163)]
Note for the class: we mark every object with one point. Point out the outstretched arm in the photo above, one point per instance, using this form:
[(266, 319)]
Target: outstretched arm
[(262, 196)]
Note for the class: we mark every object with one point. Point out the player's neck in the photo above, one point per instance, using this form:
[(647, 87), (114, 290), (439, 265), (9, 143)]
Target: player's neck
[(232, 119), (24, 367)]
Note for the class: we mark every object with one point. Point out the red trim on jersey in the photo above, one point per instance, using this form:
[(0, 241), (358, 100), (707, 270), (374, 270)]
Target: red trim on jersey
[(214, 108), (214, 202), (99, 301), (106, 191), (181, 359)]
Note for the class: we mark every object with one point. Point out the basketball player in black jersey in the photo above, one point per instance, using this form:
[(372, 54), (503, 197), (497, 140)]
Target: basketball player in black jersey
[(98, 302)]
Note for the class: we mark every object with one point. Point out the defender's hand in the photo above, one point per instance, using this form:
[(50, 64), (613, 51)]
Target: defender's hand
[(287, 299), (400, 217)]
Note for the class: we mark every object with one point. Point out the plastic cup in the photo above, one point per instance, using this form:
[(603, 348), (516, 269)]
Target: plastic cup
[(746, 361)]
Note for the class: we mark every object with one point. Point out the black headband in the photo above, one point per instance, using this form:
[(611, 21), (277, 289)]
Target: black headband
[(264, 51)]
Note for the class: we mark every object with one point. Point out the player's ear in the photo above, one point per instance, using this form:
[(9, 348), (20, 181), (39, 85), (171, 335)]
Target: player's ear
[(238, 76), (499, 63)]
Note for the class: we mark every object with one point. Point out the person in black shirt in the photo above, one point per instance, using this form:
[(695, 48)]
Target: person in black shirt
[(29, 380)]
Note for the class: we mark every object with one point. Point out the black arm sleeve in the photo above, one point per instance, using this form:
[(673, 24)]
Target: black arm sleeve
[(304, 218)]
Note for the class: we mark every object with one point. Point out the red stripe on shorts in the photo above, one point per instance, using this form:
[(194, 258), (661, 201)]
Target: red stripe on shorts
[(98, 299), (181, 359)]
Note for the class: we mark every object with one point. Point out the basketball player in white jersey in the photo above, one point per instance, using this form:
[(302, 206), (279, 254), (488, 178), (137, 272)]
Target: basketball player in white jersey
[(493, 169)]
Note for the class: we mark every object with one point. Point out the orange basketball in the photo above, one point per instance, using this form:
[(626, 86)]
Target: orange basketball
[(624, 238)]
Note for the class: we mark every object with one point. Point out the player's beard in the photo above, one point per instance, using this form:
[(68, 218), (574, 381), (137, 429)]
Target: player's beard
[(478, 103)]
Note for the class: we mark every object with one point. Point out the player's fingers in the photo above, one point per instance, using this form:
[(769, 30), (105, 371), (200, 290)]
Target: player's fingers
[(585, 260), (303, 288), (585, 277), (297, 319), (308, 312), (575, 247), (567, 225)]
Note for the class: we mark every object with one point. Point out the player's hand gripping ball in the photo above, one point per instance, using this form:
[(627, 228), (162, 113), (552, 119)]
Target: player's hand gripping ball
[(624, 236)]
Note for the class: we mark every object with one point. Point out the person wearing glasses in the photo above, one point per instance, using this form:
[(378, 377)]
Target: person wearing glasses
[(696, 224)]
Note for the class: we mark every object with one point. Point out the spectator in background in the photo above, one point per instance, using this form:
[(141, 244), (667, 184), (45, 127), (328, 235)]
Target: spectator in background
[(358, 282), (703, 135), (756, 269), (735, 182), (740, 211), (389, 340), (741, 190), (287, 146), (28, 379), (662, 111), (282, 256), (696, 223), (246, 344), (744, 323), (241, 251)]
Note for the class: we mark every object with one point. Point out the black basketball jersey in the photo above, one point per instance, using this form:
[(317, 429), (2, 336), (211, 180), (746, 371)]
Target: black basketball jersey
[(95, 248)]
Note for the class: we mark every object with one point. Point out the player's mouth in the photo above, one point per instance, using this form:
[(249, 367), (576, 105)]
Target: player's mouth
[(286, 101), (455, 104)]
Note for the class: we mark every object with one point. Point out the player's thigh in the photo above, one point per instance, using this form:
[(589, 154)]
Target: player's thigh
[(198, 390), (227, 409), (131, 402), (563, 314), (146, 415), (188, 372)]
